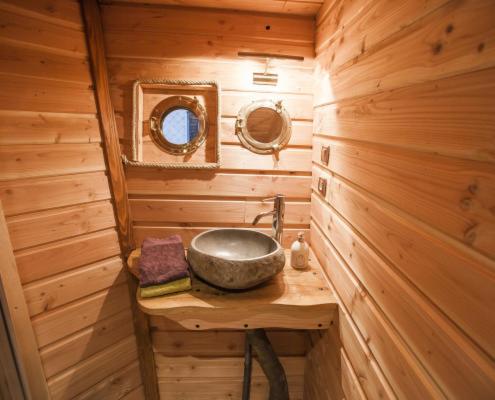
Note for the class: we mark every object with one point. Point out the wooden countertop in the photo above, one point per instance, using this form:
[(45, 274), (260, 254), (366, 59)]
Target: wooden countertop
[(292, 299)]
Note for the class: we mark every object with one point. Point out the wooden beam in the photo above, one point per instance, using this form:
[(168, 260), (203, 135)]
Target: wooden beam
[(108, 125), (17, 316)]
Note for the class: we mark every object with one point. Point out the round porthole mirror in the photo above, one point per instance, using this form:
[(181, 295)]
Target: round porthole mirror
[(263, 126), (178, 125)]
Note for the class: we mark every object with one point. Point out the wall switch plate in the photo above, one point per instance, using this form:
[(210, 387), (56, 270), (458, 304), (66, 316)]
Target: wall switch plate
[(322, 186), (325, 154)]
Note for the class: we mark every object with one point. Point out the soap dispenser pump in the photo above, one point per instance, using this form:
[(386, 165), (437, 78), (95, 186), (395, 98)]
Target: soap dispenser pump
[(299, 253)]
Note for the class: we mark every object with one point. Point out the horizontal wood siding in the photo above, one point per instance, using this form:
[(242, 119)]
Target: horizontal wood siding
[(145, 42), (406, 227), (297, 7), (209, 364), (58, 205)]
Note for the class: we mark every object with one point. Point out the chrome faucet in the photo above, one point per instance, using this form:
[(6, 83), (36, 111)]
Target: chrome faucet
[(278, 216)]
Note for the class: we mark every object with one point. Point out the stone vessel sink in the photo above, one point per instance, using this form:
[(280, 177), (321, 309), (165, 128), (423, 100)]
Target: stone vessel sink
[(235, 258)]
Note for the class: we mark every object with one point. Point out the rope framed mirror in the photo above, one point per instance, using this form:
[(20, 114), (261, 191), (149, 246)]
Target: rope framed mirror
[(263, 126), (175, 125)]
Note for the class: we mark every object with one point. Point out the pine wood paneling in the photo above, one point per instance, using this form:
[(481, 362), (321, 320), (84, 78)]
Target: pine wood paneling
[(228, 367), (369, 373), (50, 293), (187, 233), (454, 39), (338, 33), (40, 64), (32, 127), (298, 7), (63, 255), (323, 365), (350, 382), (214, 360), (21, 368), (60, 223), (405, 374), (84, 376), (208, 183), (28, 195), (55, 324), (44, 95), (402, 98), (454, 195), (58, 12), (422, 326), (177, 43), (235, 157), (208, 46), (57, 197), (32, 31), (65, 353), (26, 161), (223, 388), (220, 343), (211, 211), (214, 22), (455, 114), (438, 268), (135, 394), (233, 74), (221, 376), (123, 384)]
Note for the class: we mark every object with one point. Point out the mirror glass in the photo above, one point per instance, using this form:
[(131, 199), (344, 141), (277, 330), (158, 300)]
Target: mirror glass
[(264, 124), (180, 126)]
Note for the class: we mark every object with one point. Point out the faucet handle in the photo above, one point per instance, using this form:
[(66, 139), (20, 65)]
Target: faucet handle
[(273, 198)]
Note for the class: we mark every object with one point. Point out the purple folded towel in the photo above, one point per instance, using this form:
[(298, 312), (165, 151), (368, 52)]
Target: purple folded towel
[(162, 261)]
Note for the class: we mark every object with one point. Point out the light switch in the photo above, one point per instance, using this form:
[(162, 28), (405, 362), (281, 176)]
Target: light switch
[(322, 186)]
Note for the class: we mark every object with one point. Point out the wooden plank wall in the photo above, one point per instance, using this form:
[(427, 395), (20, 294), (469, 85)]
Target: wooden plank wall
[(56, 198), (146, 42), (209, 364), (180, 43), (299, 7), (405, 98)]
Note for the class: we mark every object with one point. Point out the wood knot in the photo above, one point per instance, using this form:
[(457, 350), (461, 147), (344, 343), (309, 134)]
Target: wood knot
[(473, 188), (481, 47), (465, 203), (470, 234), (449, 28), (437, 48)]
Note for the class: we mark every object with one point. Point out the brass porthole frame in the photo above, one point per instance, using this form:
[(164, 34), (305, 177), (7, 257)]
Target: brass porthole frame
[(164, 108), (254, 145)]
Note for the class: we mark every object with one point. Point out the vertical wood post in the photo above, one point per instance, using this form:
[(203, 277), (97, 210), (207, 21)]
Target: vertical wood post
[(17, 317), (108, 126)]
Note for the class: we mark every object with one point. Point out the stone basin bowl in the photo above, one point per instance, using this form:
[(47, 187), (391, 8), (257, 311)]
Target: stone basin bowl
[(235, 258)]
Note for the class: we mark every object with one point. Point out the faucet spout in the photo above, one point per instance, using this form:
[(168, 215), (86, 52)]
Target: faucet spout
[(264, 214)]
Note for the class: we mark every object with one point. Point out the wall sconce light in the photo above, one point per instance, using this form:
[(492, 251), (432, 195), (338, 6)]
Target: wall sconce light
[(266, 78)]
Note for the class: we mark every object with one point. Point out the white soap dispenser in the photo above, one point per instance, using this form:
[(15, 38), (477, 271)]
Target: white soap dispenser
[(299, 253)]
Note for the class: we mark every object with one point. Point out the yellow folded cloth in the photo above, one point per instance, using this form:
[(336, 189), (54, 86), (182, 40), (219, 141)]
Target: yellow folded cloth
[(178, 285)]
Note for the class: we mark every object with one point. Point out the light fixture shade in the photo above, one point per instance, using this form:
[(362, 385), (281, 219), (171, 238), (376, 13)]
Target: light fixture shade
[(261, 78)]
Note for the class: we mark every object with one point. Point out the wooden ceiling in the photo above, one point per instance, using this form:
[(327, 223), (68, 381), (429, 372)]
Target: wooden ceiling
[(295, 7)]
